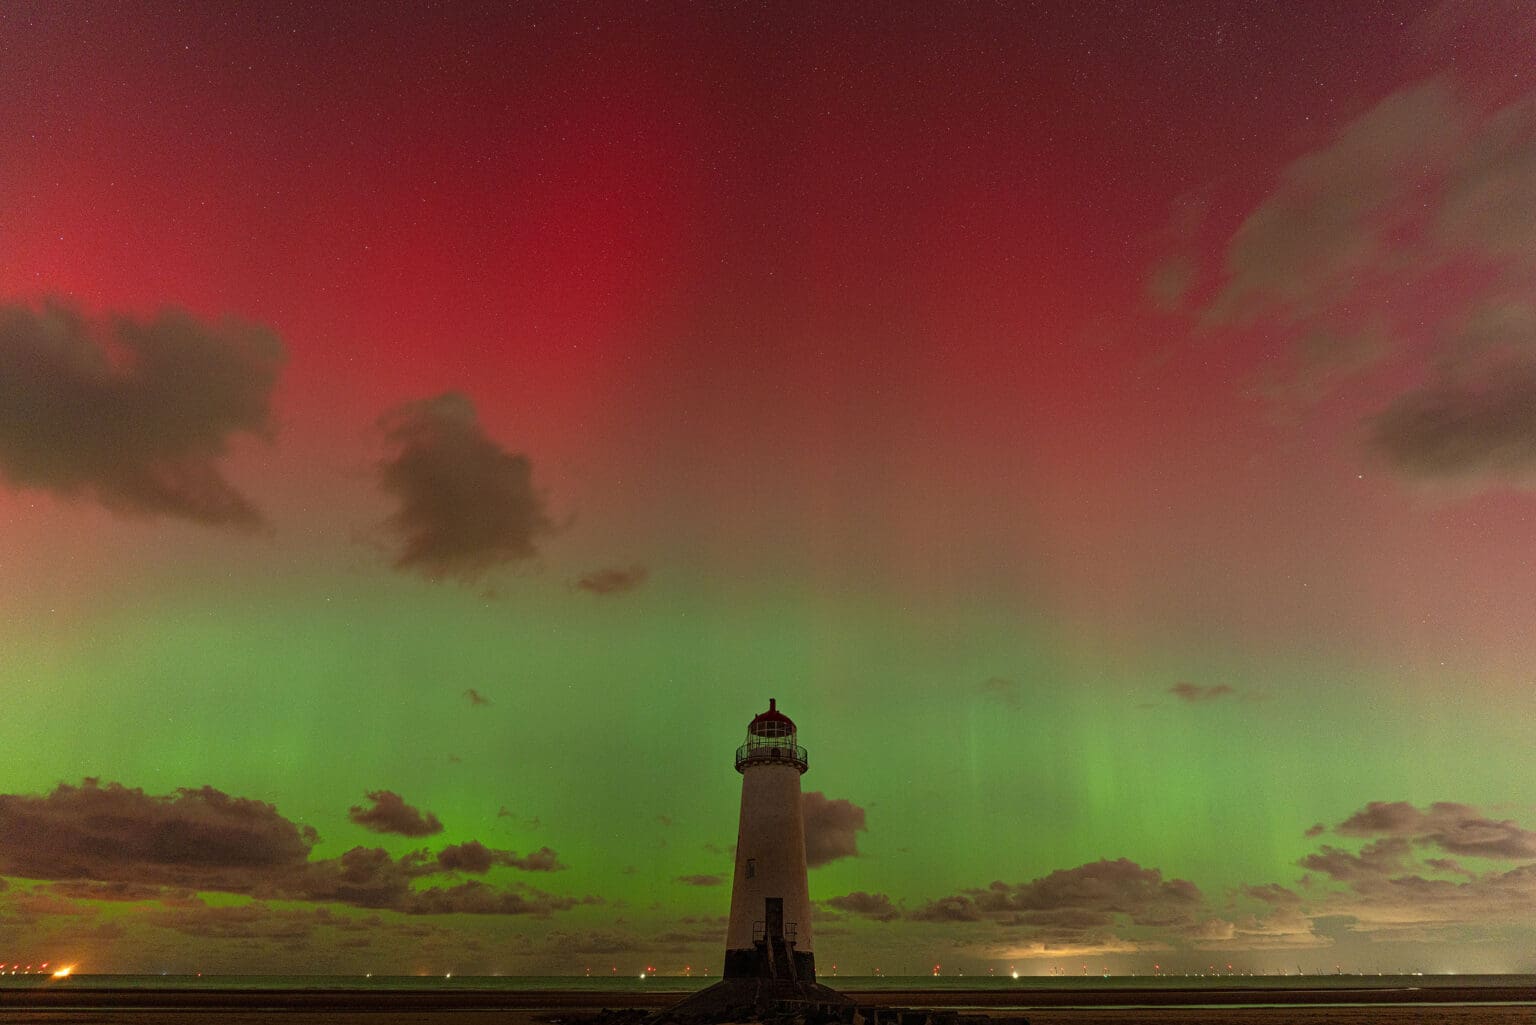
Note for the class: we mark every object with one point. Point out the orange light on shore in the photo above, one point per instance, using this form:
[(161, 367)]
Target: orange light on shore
[(65, 972)]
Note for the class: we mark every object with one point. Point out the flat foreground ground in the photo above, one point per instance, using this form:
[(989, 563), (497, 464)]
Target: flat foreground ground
[(1481, 1005)]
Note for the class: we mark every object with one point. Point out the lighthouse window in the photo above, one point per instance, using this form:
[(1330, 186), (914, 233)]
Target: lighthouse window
[(751, 867)]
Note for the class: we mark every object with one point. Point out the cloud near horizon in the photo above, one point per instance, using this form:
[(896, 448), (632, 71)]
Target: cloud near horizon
[(111, 842), (1388, 885), (876, 906), (1116, 907), (1071, 903), (1391, 870), (390, 814), (136, 414), (466, 505), (1386, 889)]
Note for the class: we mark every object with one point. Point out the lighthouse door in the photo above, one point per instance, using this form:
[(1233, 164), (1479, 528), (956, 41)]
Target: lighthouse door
[(773, 918)]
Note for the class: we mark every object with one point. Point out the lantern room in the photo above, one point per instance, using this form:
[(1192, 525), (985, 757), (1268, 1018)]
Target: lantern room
[(771, 741)]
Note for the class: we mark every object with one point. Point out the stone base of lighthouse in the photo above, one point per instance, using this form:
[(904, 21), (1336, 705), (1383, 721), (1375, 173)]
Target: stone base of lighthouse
[(735, 1000), (757, 963), (773, 953)]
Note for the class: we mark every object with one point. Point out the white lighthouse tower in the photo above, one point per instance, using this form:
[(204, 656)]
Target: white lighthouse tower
[(770, 932)]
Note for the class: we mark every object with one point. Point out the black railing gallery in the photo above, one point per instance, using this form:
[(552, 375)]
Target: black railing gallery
[(770, 749)]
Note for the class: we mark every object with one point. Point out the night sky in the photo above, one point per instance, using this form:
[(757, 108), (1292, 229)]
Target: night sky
[(429, 433)]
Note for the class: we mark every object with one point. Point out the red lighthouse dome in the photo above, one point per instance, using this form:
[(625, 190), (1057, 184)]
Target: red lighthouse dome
[(772, 723), (771, 739)]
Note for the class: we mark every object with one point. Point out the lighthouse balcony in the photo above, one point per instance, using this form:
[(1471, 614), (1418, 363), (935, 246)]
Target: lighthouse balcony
[(770, 751), (760, 932)]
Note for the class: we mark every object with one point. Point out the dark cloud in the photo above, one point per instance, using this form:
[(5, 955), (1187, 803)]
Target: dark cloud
[(110, 842), (466, 504), (1076, 904), (1450, 866), (1484, 427), (831, 828), (476, 858), (866, 905), (390, 814), (1393, 818), (476, 698), (948, 909), (370, 878), (541, 860), (604, 582), (1408, 905), (1272, 893), (1376, 860), (199, 837), (701, 880), (1193, 692), (120, 890), (135, 414), (1454, 828), (1386, 891), (23, 912), (476, 898)]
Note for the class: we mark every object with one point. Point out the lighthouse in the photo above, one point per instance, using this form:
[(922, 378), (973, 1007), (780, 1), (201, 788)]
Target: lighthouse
[(769, 936), (768, 959)]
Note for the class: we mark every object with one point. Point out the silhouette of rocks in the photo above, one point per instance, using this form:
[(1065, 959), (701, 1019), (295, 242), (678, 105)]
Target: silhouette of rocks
[(741, 1004)]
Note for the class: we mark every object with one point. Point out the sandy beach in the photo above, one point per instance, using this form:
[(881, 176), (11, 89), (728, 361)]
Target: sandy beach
[(1440, 1005)]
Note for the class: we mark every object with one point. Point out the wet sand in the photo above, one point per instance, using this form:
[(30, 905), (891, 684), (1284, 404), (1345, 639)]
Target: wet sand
[(1429, 1005), (1401, 1014), (1225, 996)]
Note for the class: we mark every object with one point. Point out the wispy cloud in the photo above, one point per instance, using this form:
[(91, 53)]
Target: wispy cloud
[(606, 582), (1194, 692), (1335, 264), (702, 880)]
